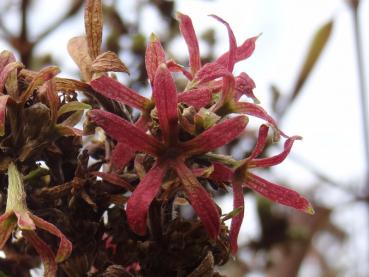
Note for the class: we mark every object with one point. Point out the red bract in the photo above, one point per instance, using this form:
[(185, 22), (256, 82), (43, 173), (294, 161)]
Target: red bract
[(170, 152), (242, 178)]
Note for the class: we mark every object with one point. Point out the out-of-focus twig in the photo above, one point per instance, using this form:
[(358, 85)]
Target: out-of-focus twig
[(355, 4), (22, 42), (316, 47), (321, 176), (3, 28), (287, 258), (73, 9)]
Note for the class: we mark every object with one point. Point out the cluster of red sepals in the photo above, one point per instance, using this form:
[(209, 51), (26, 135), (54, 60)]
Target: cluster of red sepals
[(206, 115), (214, 92)]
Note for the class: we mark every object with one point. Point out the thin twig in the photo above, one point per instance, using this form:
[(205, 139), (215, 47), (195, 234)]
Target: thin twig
[(22, 43), (74, 8), (362, 85), (323, 177)]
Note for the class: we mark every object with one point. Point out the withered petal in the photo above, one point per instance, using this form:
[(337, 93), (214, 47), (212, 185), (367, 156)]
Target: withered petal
[(65, 246), (8, 223), (3, 101), (46, 254)]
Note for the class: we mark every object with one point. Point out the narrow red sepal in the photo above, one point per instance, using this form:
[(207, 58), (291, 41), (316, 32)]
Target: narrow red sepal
[(216, 136), (210, 72), (121, 155), (257, 111), (123, 131), (202, 203), (140, 200), (232, 44), (278, 193), (175, 67), (112, 89), (277, 159), (245, 86), (188, 32), (260, 143), (238, 203), (197, 98), (243, 52), (165, 96), (221, 173), (154, 57)]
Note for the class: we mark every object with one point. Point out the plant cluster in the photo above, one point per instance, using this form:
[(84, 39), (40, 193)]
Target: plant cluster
[(112, 199)]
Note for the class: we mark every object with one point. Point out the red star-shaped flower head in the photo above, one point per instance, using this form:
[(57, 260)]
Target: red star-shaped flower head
[(171, 153)]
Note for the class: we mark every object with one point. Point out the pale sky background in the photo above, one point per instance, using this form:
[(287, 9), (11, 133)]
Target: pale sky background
[(327, 113)]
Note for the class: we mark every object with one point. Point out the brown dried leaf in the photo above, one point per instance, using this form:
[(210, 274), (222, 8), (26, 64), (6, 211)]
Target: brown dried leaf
[(116, 271), (11, 84), (72, 107), (63, 84), (39, 79), (205, 268), (317, 46), (52, 97), (67, 131), (78, 50), (87, 198), (108, 61), (73, 119), (119, 200), (4, 163), (56, 192), (3, 101), (7, 72), (6, 57), (93, 26)]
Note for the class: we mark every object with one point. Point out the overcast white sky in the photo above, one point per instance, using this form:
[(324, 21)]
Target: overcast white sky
[(327, 114)]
